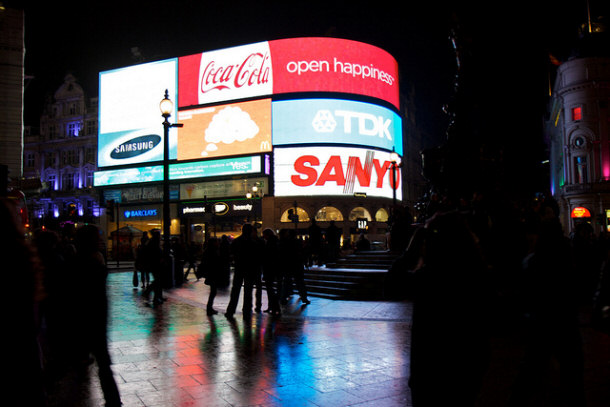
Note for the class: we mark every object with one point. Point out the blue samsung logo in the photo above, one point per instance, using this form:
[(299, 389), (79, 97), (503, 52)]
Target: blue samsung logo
[(135, 146)]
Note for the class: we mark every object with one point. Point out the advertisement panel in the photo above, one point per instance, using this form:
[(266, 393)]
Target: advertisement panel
[(287, 66), (334, 65), (225, 74), (345, 171), (323, 121), (201, 169), (130, 129), (232, 129), (217, 189)]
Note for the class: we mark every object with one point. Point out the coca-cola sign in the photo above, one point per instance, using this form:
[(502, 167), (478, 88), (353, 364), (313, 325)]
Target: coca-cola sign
[(291, 65), (227, 74)]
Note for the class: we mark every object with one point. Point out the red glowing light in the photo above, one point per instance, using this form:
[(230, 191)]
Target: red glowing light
[(580, 212)]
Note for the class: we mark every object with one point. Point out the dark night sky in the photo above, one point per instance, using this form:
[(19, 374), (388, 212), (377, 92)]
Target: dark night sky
[(509, 41)]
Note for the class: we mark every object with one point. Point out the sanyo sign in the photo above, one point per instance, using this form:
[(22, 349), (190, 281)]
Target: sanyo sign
[(325, 121), (301, 171)]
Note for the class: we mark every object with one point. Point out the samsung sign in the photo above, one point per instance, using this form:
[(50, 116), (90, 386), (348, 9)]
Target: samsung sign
[(130, 129), (324, 121)]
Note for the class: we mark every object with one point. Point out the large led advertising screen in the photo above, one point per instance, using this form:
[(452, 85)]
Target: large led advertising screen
[(130, 123), (288, 66), (179, 171), (231, 129), (335, 121), (311, 171), (333, 65)]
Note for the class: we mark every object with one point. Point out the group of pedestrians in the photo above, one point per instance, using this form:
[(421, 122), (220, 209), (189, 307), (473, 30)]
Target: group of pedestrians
[(60, 309), (266, 263)]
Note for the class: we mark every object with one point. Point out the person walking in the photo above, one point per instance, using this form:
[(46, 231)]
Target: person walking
[(92, 310), (245, 250), (154, 262), (270, 271), (191, 260), (213, 271), (140, 263), (293, 262)]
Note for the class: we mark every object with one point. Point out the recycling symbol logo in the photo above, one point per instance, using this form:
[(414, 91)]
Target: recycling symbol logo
[(324, 122)]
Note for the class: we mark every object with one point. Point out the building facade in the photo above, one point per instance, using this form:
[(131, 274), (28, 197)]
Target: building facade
[(12, 54), (578, 129), (62, 154)]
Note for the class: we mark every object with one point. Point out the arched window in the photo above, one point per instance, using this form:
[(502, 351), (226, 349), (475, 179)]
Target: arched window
[(382, 215), (328, 213), (359, 213), (303, 215)]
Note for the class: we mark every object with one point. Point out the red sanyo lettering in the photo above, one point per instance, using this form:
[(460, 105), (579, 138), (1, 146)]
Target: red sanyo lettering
[(306, 165), (253, 70)]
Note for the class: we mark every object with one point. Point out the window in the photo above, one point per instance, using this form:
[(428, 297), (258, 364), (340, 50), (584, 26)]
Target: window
[(72, 130), (91, 128), (328, 213), (30, 160), (303, 216), (52, 181), (359, 213), (382, 215), (580, 170), (576, 113)]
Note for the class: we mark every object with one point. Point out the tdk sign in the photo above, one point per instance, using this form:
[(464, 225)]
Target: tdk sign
[(333, 121), (135, 147), (361, 123)]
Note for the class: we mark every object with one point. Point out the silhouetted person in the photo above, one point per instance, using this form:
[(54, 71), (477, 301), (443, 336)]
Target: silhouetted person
[(23, 294), (92, 308), (155, 263), (270, 271), (213, 271), (363, 244), (292, 261), (449, 347), (315, 243), (333, 240), (551, 306), (225, 258), (191, 259), (140, 263), (245, 250)]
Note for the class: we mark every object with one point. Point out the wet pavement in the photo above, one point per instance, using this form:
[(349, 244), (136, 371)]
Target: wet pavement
[(328, 353)]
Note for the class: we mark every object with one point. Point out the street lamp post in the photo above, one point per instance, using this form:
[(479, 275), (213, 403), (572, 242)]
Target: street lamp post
[(167, 107)]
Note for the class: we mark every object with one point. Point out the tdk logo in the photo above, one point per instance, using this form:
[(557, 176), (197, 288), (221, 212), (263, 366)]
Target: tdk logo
[(135, 146), (364, 124)]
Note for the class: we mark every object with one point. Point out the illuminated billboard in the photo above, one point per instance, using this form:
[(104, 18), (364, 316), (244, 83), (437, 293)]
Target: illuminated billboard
[(199, 169), (288, 66), (334, 121), (334, 171), (334, 65), (130, 123), (232, 129)]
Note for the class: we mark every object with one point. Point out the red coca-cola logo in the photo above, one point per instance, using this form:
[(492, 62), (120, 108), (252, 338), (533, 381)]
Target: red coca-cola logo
[(254, 70)]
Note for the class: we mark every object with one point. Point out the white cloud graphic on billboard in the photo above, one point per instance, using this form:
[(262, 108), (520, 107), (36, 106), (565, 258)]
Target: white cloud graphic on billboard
[(229, 125)]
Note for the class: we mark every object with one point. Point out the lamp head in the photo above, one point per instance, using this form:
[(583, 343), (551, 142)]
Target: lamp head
[(166, 106)]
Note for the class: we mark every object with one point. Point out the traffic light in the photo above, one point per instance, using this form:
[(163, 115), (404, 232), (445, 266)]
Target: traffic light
[(110, 209)]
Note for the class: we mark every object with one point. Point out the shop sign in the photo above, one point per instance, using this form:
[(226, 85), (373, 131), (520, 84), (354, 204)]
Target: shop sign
[(580, 212)]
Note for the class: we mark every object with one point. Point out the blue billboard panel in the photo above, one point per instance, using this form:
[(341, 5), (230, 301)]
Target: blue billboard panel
[(330, 121), (130, 123)]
